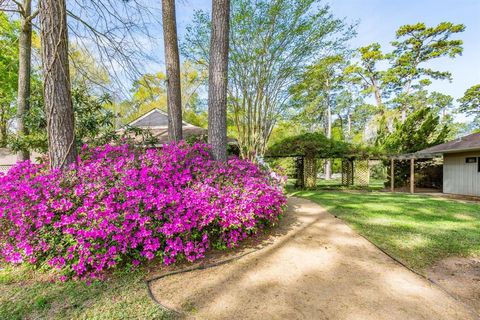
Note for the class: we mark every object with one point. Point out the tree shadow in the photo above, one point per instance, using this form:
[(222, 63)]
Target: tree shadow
[(319, 269)]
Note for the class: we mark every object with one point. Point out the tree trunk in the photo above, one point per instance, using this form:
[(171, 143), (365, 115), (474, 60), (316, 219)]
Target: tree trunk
[(328, 163), (349, 127), (378, 98), (328, 169), (300, 172), (57, 91), (217, 79), (3, 128), (3, 136), (404, 115), (24, 68), (172, 61)]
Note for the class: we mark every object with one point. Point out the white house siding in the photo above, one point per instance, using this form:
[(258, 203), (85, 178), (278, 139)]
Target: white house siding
[(8, 158), (460, 177)]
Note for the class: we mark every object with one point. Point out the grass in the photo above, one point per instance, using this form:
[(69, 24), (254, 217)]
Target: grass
[(25, 294), (336, 184), (418, 230)]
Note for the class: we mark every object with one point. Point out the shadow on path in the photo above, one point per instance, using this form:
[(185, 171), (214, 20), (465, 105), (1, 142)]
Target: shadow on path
[(313, 267)]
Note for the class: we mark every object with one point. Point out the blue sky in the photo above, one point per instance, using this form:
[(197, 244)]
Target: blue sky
[(379, 19)]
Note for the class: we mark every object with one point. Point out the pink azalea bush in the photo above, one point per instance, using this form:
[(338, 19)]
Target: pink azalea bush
[(120, 206)]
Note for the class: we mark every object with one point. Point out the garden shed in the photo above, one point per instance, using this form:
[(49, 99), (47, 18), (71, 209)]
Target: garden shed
[(461, 165)]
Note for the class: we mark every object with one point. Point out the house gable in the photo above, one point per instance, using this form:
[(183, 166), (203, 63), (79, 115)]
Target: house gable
[(152, 119)]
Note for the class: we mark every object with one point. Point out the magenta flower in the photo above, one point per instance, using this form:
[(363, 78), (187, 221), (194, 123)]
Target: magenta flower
[(122, 204)]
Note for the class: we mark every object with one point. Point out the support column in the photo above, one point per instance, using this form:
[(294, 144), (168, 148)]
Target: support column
[(412, 175), (310, 171), (392, 175)]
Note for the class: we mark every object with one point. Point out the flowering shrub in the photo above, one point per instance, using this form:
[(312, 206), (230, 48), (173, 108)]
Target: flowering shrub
[(121, 206)]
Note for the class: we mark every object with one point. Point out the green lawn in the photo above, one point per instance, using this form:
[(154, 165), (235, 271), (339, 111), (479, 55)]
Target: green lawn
[(336, 184), (28, 295), (418, 230)]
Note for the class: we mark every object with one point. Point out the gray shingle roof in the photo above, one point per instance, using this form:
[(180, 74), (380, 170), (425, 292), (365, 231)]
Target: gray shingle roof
[(467, 143), (156, 122), (154, 118)]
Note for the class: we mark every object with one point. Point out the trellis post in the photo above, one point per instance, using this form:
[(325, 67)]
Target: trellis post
[(347, 172), (392, 176), (412, 175), (299, 167)]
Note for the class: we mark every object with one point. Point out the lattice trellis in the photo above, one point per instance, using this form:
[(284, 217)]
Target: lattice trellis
[(5, 168), (310, 171), (347, 172), (361, 173), (299, 170)]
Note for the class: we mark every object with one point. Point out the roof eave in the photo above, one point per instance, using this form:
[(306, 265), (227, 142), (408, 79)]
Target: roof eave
[(459, 150)]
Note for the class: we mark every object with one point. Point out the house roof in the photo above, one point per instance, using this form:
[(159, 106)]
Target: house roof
[(156, 122), (155, 118), (463, 144)]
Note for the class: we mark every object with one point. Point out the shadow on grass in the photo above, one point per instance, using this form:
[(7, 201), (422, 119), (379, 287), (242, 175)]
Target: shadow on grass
[(318, 270), (26, 294)]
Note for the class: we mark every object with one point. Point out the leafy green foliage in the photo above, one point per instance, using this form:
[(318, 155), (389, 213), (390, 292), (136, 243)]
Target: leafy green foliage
[(415, 45), (94, 123), (8, 73), (400, 87), (271, 42), (470, 103), (92, 118), (365, 72), (315, 144), (420, 130), (313, 92), (150, 92)]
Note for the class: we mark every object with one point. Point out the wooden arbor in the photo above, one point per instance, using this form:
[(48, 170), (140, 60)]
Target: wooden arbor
[(411, 157), (311, 146), (355, 171)]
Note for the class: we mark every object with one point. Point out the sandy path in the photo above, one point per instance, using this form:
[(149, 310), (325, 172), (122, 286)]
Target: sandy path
[(318, 269)]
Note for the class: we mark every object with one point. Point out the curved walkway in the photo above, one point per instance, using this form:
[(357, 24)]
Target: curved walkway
[(318, 269)]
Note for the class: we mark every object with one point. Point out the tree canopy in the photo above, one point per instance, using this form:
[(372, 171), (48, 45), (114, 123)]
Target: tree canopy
[(421, 129), (470, 104), (286, 36), (314, 144), (292, 75), (8, 73)]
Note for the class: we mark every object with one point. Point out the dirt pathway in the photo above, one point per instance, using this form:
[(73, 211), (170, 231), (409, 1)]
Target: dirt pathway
[(318, 269)]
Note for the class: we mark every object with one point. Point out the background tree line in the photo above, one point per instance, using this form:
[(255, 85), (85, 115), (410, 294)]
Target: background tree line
[(290, 69), (58, 111)]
